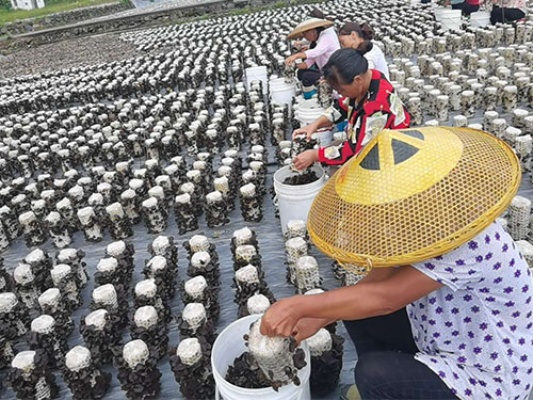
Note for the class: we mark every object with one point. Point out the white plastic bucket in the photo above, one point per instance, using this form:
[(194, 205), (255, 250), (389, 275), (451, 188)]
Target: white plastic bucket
[(230, 345), (449, 19), (479, 19), (307, 115), (294, 201), (324, 137), (307, 111), (307, 103), (258, 73), (449, 13), (281, 92), (276, 81), (451, 24)]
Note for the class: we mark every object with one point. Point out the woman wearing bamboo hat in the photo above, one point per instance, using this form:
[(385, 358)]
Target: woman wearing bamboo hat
[(323, 42), (368, 102), (452, 315)]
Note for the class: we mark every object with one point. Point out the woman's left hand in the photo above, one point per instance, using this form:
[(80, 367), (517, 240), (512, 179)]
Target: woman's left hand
[(281, 318)]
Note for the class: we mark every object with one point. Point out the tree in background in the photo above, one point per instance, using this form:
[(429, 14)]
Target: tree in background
[(5, 5)]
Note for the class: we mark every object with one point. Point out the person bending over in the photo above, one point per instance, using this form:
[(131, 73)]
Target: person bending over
[(323, 43), (368, 102)]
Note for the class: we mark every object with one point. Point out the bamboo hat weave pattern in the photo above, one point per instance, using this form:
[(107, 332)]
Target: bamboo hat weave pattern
[(413, 194), (307, 25)]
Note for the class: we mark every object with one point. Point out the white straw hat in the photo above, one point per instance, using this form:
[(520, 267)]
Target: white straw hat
[(307, 25)]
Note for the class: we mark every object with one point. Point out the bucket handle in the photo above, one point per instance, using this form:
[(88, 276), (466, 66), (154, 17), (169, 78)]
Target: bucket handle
[(217, 394)]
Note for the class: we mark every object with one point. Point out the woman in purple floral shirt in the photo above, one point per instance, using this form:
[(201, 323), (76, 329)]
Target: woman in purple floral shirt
[(455, 319)]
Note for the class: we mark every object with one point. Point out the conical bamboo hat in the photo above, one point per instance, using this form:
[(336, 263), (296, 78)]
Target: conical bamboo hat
[(307, 25), (413, 194)]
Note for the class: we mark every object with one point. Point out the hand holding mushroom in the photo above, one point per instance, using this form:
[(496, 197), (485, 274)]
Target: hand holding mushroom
[(305, 160)]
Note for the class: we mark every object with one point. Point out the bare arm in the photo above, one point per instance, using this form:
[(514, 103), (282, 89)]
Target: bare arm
[(372, 298), (307, 327), (379, 274), (369, 298)]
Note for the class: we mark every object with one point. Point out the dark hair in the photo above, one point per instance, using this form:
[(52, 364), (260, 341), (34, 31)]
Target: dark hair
[(364, 31), (316, 13), (343, 66), (318, 31)]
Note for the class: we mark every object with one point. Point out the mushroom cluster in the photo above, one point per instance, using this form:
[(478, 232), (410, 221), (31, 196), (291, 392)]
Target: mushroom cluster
[(106, 152)]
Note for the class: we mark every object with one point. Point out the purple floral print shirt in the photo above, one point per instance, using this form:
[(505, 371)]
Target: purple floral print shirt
[(476, 332)]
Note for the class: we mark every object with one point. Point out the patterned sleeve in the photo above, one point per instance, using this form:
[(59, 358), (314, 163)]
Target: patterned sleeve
[(338, 111), (336, 154), (400, 116), (389, 113), (458, 268), (366, 128)]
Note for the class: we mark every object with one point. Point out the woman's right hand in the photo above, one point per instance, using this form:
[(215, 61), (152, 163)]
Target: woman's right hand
[(300, 45), (281, 318), (306, 130)]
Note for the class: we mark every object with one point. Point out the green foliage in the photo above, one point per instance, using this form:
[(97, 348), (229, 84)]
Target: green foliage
[(236, 11), (279, 4), (248, 9), (5, 5), (51, 7)]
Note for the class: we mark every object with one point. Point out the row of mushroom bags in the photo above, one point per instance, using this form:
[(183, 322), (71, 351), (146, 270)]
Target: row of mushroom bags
[(137, 214)]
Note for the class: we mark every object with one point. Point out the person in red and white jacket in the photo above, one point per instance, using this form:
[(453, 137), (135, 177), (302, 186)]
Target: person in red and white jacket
[(368, 101)]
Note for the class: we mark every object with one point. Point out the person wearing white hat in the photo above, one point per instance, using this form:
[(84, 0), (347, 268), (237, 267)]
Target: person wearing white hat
[(445, 310), (323, 43)]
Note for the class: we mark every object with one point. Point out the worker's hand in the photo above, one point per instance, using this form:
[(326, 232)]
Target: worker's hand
[(298, 44), (289, 61), (281, 318), (307, 327), (307, 130), (305, 159)]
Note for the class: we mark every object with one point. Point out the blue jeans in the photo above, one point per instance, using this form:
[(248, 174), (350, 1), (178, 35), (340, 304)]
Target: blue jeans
[(386, 367)]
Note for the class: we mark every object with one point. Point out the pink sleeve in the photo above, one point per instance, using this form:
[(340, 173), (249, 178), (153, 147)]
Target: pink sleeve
[(325, 43), (310, 61)]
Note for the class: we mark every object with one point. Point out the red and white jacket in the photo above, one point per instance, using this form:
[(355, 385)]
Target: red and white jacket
[(381, 109)]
